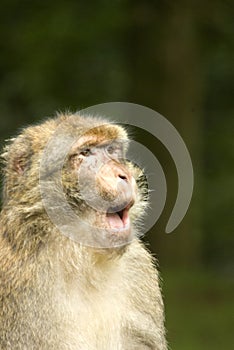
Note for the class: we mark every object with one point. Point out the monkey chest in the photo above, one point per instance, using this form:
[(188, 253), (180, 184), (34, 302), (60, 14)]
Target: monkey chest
[(104, 325)]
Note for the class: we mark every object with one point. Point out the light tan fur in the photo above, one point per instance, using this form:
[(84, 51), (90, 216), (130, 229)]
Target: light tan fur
[(56, 294)]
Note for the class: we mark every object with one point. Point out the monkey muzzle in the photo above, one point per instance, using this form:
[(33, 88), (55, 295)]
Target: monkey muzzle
[(118, 212)]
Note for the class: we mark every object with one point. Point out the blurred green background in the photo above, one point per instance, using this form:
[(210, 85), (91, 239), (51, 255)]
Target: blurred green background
[(176, 58)]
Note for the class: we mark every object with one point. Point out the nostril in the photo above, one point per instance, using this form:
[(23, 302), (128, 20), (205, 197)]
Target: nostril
[(123, 177)]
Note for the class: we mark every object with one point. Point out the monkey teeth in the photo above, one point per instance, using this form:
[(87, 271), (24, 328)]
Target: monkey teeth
[(119, 220)]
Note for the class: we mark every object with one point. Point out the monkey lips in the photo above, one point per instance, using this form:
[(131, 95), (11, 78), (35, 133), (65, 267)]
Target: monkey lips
[(119, 220)]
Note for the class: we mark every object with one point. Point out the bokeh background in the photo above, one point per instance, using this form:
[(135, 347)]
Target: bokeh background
[(176, 58)]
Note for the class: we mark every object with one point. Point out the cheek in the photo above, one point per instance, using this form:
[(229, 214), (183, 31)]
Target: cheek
[(106, 180), (82, 173)]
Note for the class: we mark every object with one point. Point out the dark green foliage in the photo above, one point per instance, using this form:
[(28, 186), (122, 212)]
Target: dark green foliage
[(175, 57)]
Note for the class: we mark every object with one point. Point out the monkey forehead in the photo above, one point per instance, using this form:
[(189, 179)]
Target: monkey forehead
[(90, 125), (102, 134)]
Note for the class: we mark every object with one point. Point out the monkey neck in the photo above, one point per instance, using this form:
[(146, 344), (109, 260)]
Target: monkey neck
[(91, 268)]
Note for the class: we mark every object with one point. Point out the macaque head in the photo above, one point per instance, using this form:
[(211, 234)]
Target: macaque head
[(101, 185), (78, 165)]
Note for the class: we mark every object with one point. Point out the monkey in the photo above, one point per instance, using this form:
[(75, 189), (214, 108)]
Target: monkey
[(95, 287)]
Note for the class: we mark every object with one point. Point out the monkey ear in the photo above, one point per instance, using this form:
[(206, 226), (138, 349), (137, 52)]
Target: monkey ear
[(16, 155), (19, 165)]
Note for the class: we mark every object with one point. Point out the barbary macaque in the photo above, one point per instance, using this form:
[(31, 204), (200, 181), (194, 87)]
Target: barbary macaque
[(73, 271)]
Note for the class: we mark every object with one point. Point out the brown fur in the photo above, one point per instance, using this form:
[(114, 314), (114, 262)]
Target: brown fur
[(56, 293)]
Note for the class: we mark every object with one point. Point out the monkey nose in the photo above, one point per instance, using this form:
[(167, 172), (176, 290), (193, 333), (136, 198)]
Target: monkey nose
[(123, 177)]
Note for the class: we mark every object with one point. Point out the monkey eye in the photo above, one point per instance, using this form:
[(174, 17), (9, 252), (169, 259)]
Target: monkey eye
[(85, 152), (110, 149), (114, 150)]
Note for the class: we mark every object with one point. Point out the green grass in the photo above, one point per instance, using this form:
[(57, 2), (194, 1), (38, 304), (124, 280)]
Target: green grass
[(199, 310)]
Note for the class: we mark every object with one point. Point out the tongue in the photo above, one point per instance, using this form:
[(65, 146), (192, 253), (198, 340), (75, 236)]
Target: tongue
[(114, 220)]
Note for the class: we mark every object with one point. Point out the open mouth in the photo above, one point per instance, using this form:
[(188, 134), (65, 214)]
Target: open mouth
[(119, 219)]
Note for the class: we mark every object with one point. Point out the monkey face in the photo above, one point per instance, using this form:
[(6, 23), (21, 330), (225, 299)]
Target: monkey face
[(100, 184), (104, 182)]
